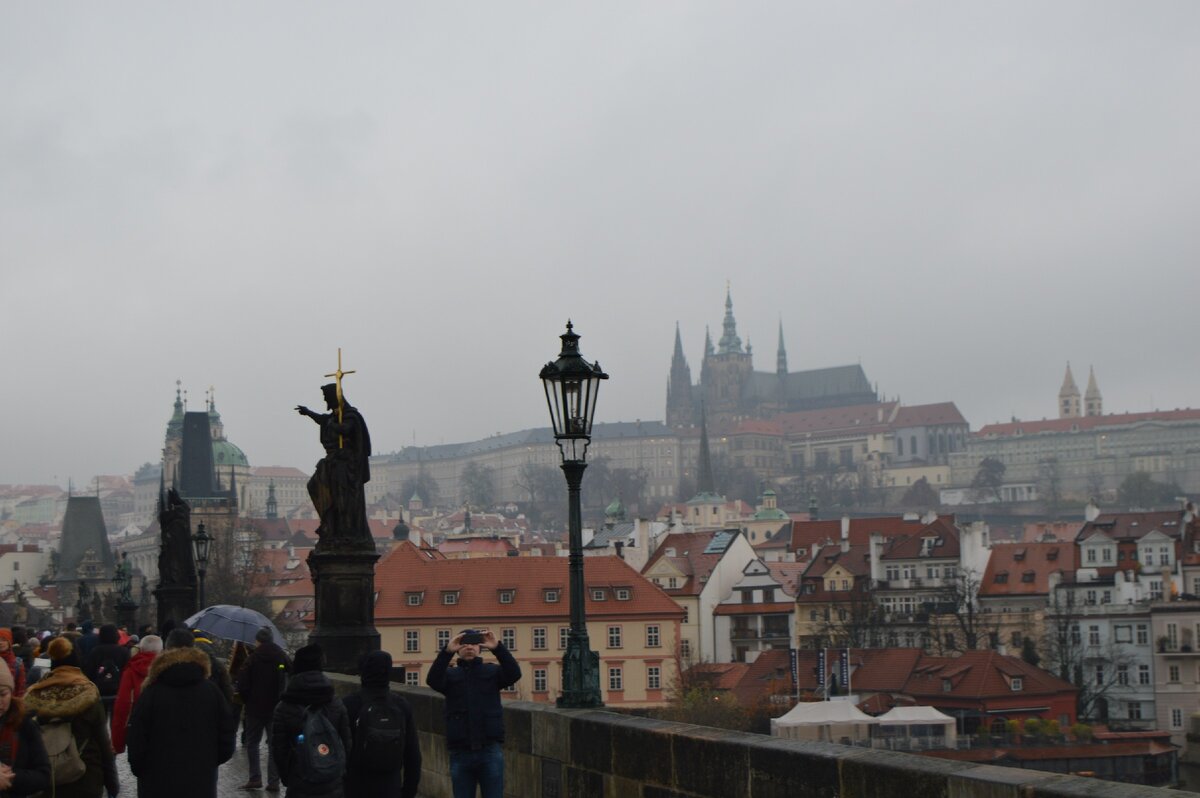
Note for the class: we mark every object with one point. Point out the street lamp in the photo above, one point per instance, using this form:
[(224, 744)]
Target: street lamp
[(201, 541), (572, 385)]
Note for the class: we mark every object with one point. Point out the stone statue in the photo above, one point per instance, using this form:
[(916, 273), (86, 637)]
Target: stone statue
[(336, 486), (175, 564)]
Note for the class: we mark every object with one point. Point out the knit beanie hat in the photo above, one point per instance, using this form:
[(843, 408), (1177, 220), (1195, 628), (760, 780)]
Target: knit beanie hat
[(309, 658), (62, 652), (6, 634), (375, 669)]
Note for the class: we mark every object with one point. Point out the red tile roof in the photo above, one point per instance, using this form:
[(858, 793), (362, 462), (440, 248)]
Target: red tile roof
[(1012, 562), (1134, 526), (857, 561), (478, 583), (806, 533), (277, 471), (1015, 428), (928, 415), (980, 675), (830, 420), (495, 547), (909, 547), (685, 550), (787, 574)]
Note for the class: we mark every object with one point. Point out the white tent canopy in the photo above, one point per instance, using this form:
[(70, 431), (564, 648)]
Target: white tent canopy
[(919, 726), (824, 720), (909, 716)]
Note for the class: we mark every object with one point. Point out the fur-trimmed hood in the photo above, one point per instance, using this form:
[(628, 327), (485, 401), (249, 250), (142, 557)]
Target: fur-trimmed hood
[(177, 666), (64, 693)]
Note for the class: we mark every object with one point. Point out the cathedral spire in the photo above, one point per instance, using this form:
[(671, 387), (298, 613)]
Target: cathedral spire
[(781, 354), (705, 484), (1068, 397), (679, 388), (708, 345), (1093, 403), (273, 503), (730, 343)]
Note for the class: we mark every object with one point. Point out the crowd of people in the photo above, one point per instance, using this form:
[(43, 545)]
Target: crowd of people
[(72, 701)]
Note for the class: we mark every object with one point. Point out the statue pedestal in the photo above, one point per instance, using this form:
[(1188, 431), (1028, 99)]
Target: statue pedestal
[(175, 602), (344, 585)]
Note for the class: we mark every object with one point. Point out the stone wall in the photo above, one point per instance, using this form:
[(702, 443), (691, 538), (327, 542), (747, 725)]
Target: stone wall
[(553, 753)]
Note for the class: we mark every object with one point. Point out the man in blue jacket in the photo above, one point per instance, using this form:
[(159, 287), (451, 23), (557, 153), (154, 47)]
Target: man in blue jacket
[(474, 717)]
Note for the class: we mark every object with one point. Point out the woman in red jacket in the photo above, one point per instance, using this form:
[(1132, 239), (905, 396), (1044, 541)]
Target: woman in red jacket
[(132, 677)]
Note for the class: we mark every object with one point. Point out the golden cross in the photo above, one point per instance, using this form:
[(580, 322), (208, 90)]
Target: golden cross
[(337, 375)]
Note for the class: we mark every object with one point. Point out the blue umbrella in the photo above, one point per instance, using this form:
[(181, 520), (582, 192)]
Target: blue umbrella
[(233, 623)]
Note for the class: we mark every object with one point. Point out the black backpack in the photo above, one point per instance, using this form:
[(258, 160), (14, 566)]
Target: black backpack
[(380, 734), (320, 756), (108, 677)]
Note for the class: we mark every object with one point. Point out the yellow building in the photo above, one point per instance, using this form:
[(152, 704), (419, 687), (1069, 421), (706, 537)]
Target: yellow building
[(424, 600)]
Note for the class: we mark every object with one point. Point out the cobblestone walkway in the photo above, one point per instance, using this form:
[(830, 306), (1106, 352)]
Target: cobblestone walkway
[(232, 776)]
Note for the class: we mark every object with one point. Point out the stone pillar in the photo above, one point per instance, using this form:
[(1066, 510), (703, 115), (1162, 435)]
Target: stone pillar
[(175, 602), (344, 609)]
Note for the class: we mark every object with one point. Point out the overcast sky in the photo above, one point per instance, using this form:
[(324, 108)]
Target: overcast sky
[(960, 196)]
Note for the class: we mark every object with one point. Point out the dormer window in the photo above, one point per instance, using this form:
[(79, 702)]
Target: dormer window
[(623, 594), (449, 597), (598, 594), (1001, 578), (506, 596), (947, 685), (414, 599), (1016, 683), (1028, 577), (550, 596)]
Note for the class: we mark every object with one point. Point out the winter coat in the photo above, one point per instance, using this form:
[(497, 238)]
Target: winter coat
[(113, 653), (260, 681), (181, 729), (307, 689), (406, 777), (66, 693), (133, 675), (31, 766), (220, 674), (474, 716), (17, 666)]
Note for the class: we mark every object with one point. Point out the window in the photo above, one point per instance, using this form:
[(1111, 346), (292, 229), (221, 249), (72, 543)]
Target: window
[(1143, 634), (1143, 674), (685, 615), (616, 680), (685, 649), (414, 599), (1028, 577), (1156, 589), (539, 680), (550, 596), (1001, 578), (1133, 710), (450, 597), (623, 594), (1099, 675), (412, 640), (1173, 673), (672, 583), (1075, 638), (443, 637), (1093, 635), (562, 636), (812, 615), (598, 595), (1176, 718), (539, 638), (653, 678), (1016, 639), (1164, 555), (947, 685), (653, 640), (1091, 555), (893, 572), (506, 596), (1172, 636), (509, 638), (1123, 675), (1016, 684), (1091, 597), (614, 637), (412, 677), (1106, 554)]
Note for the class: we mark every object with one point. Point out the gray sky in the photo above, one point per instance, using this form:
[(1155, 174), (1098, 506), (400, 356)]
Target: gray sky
[(962, 196)]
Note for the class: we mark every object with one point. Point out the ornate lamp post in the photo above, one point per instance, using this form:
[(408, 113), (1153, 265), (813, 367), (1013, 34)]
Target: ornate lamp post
[(123, 584), (201, 541), (572, 385)]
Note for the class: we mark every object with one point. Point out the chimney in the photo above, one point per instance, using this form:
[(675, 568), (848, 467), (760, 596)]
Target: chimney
[(845, 525), (1091, 512), (929, 517), (845, 535), (620, 547)]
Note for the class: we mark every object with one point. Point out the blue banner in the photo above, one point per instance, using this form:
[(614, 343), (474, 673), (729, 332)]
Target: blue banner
[(795, 658), (822, 670), (845, 670)]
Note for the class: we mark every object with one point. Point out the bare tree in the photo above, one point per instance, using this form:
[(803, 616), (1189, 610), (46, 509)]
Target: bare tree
[(853, 619), (958, 612), (478, 485), (1093, 666)]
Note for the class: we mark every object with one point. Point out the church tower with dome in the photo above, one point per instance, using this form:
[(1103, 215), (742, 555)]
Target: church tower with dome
[(230, 466)]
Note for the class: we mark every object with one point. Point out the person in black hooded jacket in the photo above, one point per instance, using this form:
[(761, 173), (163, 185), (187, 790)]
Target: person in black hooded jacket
[(308, 687), (363, 780), (182, 728), (104, 664)]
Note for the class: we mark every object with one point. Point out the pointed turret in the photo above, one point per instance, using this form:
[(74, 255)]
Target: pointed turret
[(1093, 403), (1068, 397), (680, 412), (272, 502), (781, 354), (730, 343), (708, 345), (705, 484)]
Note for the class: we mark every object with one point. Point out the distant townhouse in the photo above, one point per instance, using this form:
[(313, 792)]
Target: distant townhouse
[(759, 613), (698, 570), (1015, 590), (1175, 628), (424, 600)]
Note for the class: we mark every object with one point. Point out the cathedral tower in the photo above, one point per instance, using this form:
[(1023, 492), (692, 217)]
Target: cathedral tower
[(1092, 402), (680, 412), (1068, 397), (728, 370)]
